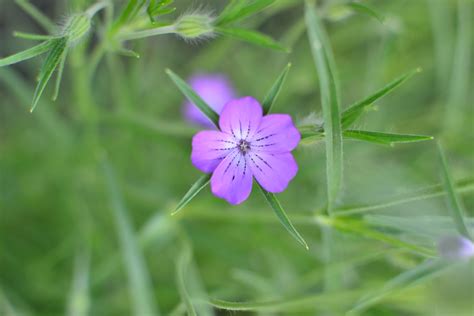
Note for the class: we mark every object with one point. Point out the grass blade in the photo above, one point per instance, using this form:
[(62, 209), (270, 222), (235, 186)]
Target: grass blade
[(34, 37), (138, 276), (281, 214), (59, 76), (129, 12), (320, 301), (200, 184), (365, 9), (272, 95), (459, 98), (360, 228), (351, 114), (241, 11), (183, 262), (322, 55), (50, 64), (423, 273), (194, 97), (251, 36), (384, 138), (189, 286), (463, 186), (37, 15), (454, 202), (27, 54), (79, 297)]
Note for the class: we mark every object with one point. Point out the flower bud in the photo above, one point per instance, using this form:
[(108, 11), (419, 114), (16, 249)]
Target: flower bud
[(195, 26), (455, 247), (77, 26)]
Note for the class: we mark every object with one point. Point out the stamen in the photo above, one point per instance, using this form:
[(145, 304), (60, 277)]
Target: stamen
[(243, 146)]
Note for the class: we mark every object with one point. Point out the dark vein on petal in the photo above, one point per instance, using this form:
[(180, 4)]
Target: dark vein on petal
[(263, 160), (265, 137), (230, 163), (256, 165)]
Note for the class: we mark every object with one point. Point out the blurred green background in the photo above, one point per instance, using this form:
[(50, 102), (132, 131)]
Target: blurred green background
[(79, 238)]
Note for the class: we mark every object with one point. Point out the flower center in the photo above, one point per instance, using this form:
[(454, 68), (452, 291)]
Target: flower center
[(243, 146)]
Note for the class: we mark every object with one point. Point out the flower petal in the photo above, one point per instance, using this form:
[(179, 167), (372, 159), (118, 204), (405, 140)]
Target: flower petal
[(210, 148), (273, 171), (276, 134), (232, 179), (215, 89), (241, 117)]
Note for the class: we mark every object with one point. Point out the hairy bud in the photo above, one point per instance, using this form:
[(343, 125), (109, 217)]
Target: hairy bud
[(77, 26), (195, 26)]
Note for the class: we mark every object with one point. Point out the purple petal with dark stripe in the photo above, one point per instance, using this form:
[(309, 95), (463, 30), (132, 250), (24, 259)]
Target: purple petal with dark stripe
[(232, 179), (209, 148), (273, 171), (276, 134), (241, 117)]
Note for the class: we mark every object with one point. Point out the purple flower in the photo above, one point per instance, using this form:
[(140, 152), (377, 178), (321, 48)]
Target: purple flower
[(455, 247), (248, 145), (215, 89)]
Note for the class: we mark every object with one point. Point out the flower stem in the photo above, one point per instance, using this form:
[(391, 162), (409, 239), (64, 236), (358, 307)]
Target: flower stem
[(170, 29)]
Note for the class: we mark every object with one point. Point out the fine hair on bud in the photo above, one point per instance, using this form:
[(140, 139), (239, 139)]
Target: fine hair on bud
[(195, 26), (76, 27)]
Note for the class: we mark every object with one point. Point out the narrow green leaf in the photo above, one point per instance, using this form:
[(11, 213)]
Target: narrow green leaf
[(325, 66), (239, 12), (311, 134), (319, 301), (37, 15), (27, 54), (353, 112), (59, 76), (200, 184), (423, 273), (79, 301), (182, 265), (54, 58), (194, 97), (454, 202), (460, 78), (138, 276), (364, 8), (130, 11), (251, 36), (34, 37), (272, 95), (189, 285), (432, 191), (281, 214), (384, 138), (159, 7), (360, 228)]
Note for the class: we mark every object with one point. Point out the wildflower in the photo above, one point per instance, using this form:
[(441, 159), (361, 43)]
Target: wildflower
[(248, 145), (455, 247), (215, 89)]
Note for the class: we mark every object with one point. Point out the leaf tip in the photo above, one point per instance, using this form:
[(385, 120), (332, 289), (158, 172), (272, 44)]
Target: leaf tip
[(418, 70)]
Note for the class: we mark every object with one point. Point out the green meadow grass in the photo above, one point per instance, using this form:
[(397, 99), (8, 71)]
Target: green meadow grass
[(102, 212)]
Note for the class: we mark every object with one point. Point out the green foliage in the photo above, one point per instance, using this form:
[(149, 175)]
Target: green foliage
[(194, 97), (384, 138), (239, 9), (271, 96), (454, 202), (354, 112), (325, 66), (281, 214), (77, 241), (138, 275), (200, 184), (251, 36)]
